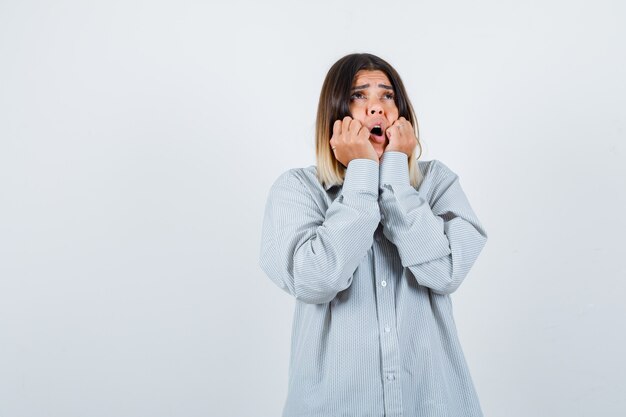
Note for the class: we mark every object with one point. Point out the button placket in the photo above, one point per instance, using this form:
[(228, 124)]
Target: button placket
[(385, 304)]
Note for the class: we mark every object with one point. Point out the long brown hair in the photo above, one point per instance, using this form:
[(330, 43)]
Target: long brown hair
[(334, 104)]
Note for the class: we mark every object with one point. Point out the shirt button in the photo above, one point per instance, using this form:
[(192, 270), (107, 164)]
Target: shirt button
[(387, 329), (383, 283), (390, 377)]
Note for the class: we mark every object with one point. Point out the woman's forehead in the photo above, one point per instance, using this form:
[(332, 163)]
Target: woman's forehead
[(370, 77)]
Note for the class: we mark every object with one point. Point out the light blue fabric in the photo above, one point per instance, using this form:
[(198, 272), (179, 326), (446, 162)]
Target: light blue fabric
[(371, 265)]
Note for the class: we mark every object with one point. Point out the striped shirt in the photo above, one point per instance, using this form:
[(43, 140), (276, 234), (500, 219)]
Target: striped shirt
[(371, 265)]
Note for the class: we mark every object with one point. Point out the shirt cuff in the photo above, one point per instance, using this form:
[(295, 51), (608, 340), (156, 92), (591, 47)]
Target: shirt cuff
[(361, 175), (394, 168)]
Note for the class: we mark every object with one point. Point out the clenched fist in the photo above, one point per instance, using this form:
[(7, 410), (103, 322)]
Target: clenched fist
[(351, 141), (401, 137)]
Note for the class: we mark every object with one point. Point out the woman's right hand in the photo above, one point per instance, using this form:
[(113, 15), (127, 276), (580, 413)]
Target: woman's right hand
[(351, 141)]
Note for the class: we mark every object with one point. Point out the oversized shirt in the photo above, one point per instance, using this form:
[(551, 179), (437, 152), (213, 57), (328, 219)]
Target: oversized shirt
[(371, 265)]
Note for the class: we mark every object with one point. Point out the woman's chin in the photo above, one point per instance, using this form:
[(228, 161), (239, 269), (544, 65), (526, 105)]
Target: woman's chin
[(379, 150)]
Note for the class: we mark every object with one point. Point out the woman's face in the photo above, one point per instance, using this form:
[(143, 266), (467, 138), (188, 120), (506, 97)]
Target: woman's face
[(372, 103)]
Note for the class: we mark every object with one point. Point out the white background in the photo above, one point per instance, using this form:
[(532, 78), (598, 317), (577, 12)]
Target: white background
[(139, 139)]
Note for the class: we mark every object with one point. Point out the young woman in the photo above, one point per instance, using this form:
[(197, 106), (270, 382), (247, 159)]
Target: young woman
[(371, 243)]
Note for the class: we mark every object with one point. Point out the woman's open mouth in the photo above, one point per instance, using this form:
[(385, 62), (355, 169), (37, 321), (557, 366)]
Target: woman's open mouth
[(376, 134), (376, 130)]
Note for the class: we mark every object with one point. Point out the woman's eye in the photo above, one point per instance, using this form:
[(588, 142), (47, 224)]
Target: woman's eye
[(357, 96), (389, 96)]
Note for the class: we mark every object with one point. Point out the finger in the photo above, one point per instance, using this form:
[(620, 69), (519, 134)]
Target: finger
[(355, 126), (363, 133), (337, 128), (400, 127), (391, 132), (345, 124), (405, 123)]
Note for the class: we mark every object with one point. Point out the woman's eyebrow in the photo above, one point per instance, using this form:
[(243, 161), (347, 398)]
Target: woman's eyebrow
[(364, 86)]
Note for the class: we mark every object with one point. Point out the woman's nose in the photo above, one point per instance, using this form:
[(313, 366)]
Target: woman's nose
[(375, 108)]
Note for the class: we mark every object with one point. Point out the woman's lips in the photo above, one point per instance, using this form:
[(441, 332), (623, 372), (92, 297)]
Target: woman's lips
[(377, 135), (378, 138)]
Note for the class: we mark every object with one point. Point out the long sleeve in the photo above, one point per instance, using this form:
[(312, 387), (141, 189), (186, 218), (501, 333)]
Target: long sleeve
[(438, 237), (312, 254)]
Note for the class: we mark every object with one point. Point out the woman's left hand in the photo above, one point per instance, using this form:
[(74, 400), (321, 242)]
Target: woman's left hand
[(401, 137)]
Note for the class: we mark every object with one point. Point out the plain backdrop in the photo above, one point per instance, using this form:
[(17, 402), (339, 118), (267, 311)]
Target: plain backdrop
[(139, 140)]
